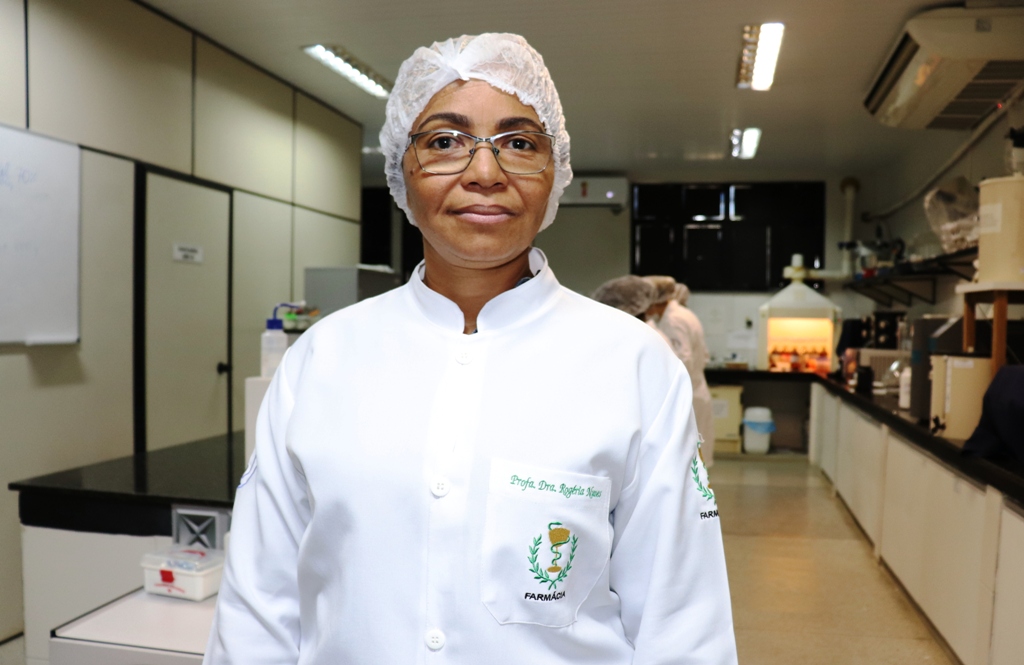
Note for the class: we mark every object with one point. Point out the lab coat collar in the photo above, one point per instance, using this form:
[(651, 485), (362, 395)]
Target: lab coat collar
[(514, 307)]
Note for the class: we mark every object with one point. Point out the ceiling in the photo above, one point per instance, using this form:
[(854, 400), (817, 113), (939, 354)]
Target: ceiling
[(647, 86)]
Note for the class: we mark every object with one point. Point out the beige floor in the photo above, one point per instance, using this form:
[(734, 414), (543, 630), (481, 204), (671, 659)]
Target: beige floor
[(805, 586)]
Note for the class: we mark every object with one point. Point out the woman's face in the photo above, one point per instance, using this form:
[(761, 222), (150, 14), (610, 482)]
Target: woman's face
[(482, 217)]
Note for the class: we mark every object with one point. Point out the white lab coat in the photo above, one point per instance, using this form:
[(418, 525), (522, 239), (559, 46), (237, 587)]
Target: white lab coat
[(526, 494), (686, 336)]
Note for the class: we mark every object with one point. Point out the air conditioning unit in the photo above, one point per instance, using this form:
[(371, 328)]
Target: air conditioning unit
[(950, 69), (600, 191)]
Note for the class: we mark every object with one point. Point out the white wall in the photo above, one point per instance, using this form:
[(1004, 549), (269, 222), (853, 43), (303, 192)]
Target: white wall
[(66, 406), (113, 76), (897, 179), (244, 125), (12, 63), (587, 246)]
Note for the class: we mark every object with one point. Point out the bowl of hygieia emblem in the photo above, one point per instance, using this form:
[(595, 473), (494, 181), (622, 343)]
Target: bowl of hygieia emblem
[(558, 535)]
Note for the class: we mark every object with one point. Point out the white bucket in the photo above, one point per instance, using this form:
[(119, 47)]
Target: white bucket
[(757, 429)]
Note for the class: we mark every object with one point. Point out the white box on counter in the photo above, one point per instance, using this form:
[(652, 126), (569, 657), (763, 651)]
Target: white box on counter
[(183, 572)]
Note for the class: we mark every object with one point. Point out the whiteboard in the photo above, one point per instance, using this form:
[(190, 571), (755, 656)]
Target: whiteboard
[(39, 239)]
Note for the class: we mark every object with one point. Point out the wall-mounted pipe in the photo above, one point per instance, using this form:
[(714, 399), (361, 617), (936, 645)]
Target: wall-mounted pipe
[(849, 187)]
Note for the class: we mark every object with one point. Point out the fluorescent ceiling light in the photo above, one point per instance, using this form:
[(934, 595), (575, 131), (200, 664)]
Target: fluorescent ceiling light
[(744, 142), (355, 71), (761, 44)]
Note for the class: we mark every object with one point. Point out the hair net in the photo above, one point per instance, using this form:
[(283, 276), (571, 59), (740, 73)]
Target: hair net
[(665, 287), (503, 60), (682, 294), (631, 294)]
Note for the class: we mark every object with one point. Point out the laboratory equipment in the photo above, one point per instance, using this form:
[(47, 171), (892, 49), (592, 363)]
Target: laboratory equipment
[(958, 388), (1001, 239), (798, 327), (332, 289)]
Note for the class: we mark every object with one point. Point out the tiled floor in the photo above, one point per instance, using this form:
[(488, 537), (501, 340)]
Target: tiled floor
[(13, 652), (805, 586)]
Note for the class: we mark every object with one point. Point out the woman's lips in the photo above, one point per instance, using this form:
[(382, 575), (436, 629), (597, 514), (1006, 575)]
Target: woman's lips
[(484, 214)]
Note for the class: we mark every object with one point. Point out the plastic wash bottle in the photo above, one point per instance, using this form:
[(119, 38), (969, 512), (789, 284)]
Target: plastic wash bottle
[(273, 344)]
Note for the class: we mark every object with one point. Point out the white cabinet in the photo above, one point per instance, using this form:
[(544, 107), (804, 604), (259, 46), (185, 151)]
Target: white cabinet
[(860, 469), (69, 573), (1007, 636), (934, 540)]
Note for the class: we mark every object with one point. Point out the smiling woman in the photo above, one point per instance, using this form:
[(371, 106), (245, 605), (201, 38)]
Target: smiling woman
[(451, 466)]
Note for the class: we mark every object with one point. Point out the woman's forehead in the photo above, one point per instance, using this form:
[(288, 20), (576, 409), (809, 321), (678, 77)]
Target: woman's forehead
[(476, 106)]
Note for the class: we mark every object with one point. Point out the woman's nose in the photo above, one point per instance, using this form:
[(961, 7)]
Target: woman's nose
[(483, 169)]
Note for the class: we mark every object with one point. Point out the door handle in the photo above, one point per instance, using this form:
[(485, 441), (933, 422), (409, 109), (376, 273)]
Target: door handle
[(223, 368)]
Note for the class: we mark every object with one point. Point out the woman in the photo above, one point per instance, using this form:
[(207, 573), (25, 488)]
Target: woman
[(450, 472), (685, 335)]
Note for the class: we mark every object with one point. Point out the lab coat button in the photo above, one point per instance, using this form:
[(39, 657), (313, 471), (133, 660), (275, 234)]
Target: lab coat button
[(440, 487), (435, 640), (464, 357)]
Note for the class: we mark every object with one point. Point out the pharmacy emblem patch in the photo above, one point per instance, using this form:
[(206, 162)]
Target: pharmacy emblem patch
[(554, 574), (699, 471)]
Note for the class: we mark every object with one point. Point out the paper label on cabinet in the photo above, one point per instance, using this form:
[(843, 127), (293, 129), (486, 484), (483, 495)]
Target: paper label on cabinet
[(720, 408), (961, 363), (991, 218), (187, 253)]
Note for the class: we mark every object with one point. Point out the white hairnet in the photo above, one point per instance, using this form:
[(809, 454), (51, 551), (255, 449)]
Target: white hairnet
[(665, 286), (503, 60), (631, 294), (682, 294)]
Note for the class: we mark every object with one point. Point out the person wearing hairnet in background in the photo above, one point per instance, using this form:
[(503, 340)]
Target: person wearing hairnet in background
[(686, 337), (698, 360), (450, 472), (632, 294)]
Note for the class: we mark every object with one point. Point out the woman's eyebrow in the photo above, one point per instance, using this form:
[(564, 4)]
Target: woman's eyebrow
[(456, 119), (518, 123)]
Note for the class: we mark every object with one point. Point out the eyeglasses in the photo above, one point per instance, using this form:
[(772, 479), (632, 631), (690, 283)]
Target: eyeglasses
[(449, 151)]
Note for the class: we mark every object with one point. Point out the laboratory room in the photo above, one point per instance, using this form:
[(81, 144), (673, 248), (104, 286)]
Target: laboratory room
[(579, 332)]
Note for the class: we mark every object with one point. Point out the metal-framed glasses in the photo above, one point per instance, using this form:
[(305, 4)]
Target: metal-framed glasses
[(449, 151)]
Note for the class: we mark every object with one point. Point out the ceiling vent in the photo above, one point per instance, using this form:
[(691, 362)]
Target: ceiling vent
[(950, 69)]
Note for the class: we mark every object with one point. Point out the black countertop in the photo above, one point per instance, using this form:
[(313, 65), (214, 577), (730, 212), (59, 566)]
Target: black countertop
[(121, 496), (1007, 477)]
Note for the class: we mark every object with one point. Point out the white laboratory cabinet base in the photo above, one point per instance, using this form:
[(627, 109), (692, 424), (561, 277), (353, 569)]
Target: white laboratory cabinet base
[(137, 629), (69, 573), (953, 543)]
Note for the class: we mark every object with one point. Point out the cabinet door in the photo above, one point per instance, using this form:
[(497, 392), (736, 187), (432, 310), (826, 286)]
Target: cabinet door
[(828, 434), (844, 450), (1007, 637), (186, 313), (262, 267)]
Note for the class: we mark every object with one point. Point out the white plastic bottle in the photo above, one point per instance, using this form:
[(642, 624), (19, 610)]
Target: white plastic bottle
[(273, 344), (904, 402)]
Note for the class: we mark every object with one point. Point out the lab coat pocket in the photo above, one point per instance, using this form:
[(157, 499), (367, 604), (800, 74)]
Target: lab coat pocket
[(546, 541)]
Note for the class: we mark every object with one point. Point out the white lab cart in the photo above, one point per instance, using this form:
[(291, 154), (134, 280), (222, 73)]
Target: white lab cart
[(137, 629)]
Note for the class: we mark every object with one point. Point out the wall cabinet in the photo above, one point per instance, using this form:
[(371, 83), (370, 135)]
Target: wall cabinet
[(727, 236)]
